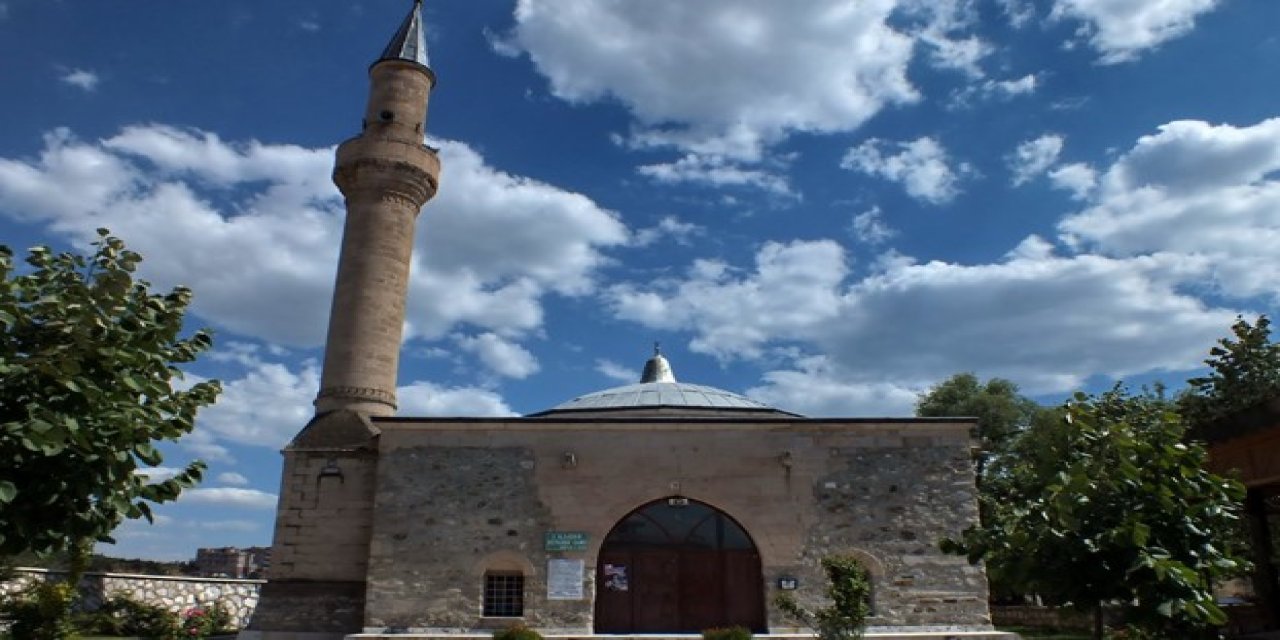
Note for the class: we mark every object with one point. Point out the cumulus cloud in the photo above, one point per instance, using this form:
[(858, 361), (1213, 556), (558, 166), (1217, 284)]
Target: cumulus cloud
[(724, 77), (1033, 157), (157, 474), (1193, 189), (870, 228), (229, 497), (500, 355), (921, 166), (428, 399), (1077, 177), (1046, 320), (1121, 30), (81, 79), (214, 214)]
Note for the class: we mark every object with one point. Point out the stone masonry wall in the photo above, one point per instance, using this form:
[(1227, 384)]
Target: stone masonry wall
[(175, 593), (889, 502), (436, 506)]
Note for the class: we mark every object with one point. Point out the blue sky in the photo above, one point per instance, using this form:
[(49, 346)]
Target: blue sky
[(827, 205)]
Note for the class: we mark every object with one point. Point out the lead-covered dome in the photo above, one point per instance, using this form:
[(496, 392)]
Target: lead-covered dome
[(658, 393)]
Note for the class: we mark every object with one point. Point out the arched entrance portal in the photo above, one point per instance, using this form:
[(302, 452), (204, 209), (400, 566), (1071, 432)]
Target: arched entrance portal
[(678, 565)]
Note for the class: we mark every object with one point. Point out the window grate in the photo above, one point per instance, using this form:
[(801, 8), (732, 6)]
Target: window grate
[(503, 595)]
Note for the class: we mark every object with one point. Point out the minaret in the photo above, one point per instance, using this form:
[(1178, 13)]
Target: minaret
[(386, 174), (320, 551)]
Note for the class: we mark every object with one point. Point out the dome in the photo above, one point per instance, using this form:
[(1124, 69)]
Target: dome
[(659, 393)]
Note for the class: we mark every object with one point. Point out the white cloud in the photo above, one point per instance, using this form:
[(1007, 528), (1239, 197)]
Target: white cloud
[(813, 388), (1034, 157), (1048, 321), (668, 227), (213, 215), (157, 474), (265, 407), (82, 79), (725, 76), (1077, 177), (1193, 189), (427, 399), (229, 497), (717, 171), (232, 478), (921, 166), (615, 371), (870, 228), (1123, 29), (500, 355)]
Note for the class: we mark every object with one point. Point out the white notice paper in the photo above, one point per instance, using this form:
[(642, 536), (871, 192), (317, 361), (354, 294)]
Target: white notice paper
[(564, 579)]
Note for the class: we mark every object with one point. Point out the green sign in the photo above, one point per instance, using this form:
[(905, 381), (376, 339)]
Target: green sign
[(566, 541)]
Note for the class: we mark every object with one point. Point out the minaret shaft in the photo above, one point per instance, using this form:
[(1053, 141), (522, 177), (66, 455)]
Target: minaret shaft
[(386, 175)]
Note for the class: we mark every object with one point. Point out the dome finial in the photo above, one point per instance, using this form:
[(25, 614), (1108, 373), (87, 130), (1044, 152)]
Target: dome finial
[(657, 369)]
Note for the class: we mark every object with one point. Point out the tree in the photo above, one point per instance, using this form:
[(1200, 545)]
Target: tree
[(1111, 506), (1001, 411), (1242, 373), (89, 384)]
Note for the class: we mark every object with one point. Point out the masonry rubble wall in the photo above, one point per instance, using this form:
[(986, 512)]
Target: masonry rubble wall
[(454, 500), (175, 593)]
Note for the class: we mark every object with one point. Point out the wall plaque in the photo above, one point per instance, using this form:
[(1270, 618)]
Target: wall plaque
[(566, 541), (564, 579)]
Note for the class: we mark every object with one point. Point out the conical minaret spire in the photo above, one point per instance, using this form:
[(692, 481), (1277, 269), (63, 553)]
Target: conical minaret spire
[(409, 43)]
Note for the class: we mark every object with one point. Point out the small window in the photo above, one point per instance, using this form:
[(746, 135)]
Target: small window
[(503, 594)]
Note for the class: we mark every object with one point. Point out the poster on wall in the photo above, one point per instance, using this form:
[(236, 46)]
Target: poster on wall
[(615, 577), (564, 579)]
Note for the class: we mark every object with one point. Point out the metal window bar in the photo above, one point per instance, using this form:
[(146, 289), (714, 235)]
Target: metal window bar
[(503, 595)]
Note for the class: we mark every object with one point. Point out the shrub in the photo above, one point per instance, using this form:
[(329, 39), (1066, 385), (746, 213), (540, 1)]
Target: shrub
[(727, 633), (42, 611), (124, 616), (850, 591), (517, 632)]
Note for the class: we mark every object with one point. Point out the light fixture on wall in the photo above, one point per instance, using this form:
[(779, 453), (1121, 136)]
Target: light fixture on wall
[(785, 459), (569, 460)]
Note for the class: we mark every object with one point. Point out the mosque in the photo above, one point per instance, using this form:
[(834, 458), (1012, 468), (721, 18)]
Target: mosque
[(660, 507)]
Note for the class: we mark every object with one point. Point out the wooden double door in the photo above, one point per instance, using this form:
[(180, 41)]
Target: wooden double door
[(678, 567)]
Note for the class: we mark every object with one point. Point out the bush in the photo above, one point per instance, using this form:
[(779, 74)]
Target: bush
[(124, 616), (850, 591), (517, 632), (42, 611), (727, 633)]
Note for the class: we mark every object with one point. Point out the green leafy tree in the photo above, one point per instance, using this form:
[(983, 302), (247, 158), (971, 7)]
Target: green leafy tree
[(1001, 411), (1110, 505), (89, 384), (1243, 372)]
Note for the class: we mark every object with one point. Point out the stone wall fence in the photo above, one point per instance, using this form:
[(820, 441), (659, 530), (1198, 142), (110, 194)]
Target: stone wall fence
[(175, 593)]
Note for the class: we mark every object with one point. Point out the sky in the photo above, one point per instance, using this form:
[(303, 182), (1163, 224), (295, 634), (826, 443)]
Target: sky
[(826, 205)]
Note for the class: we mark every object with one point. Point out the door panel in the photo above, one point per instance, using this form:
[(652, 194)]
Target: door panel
[(613, 592), (744, 590), (701, 590), (657, 589)]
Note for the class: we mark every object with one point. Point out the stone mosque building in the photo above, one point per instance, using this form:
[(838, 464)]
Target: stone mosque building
[(660, 507)]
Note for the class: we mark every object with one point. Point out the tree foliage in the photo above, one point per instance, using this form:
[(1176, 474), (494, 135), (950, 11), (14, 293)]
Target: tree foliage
[(89, 384), (1001, 411), (1111, 506), (1243, 372)]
